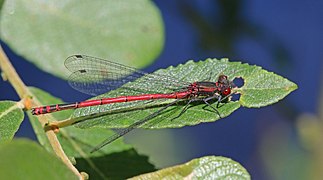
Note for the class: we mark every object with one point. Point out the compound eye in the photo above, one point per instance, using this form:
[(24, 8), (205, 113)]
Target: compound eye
[(222, 78), (227, 91)]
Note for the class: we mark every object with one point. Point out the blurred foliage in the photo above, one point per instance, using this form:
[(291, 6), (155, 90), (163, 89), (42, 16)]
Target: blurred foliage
[(25, 159), (281, 154), (1, 3), (47, 32), (287, 157), (225, 24)]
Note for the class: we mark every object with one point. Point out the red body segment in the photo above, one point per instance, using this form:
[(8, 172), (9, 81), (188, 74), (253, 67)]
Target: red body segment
[(196, 89), (97, 102)]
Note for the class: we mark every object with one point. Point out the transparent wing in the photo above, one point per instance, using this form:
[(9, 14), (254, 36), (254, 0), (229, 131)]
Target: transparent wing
[(121, 132), (96, 76)]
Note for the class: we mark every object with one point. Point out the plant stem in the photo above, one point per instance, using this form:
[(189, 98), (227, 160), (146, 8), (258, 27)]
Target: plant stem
[(11, 75)]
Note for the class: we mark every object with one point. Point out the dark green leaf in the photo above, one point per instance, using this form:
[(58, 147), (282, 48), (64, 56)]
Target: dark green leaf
[(1, 4), (24, 159), (118, 165), (209, 167), (260, 88), (77, 143), (115, 161), (46, 33), (11, 116)]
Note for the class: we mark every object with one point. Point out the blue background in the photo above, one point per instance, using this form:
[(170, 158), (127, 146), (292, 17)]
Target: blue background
[(285, 37)]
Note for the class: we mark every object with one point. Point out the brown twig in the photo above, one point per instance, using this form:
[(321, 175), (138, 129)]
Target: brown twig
[(10, 74)]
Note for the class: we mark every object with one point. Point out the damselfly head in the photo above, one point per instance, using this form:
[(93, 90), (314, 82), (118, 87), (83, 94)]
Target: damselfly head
[(222, 78), (225, 85)]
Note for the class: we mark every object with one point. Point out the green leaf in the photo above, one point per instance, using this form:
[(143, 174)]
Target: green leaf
[(260, 88), (24, 159), (11, 116), (119, 165), (116, 161), (1, 4), (77, 144), (46, 33), (209, 167)]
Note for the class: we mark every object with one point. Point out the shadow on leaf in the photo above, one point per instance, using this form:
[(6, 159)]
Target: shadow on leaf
[(119, 165)]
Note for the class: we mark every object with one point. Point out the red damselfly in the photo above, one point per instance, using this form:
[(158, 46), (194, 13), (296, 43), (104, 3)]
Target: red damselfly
[(96, 76)]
